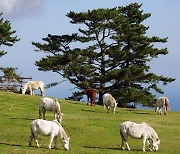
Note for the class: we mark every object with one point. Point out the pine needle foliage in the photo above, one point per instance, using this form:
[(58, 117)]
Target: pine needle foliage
[(110, 52)]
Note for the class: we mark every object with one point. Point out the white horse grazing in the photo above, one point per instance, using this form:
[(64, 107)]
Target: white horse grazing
[(109, 101), (162, 102), (48, 128), (50, 105), (33, 85), (139, 131)]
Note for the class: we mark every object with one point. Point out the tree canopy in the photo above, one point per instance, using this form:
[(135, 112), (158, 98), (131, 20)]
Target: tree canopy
[(6, 33), (110, 52)]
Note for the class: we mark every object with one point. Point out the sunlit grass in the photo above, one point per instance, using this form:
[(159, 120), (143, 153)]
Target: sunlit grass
[(91, 129)]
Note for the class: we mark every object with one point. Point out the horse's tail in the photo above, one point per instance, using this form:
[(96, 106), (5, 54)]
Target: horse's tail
[(167, 104), (122, 136)]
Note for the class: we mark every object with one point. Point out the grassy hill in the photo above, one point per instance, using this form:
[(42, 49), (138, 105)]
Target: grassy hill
[(92, 131)]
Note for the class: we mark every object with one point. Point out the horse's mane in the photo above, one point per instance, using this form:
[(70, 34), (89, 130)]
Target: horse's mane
[(26, 85), (57, 106), (154, 134), (63, 133), (56, 122)]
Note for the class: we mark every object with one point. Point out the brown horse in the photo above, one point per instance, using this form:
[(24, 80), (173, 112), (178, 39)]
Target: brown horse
[(91, 94)]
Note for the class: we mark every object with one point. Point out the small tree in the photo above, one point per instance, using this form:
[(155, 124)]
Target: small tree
[(10, 76), (114, 57), (6, 33)]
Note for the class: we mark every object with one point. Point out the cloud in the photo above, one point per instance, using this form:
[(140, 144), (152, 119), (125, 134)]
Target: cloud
[(19, 8)]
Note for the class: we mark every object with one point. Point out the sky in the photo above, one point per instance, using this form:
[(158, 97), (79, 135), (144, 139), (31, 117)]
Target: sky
[(35, 19)]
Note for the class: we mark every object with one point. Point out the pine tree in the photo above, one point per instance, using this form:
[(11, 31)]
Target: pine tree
[(114, 57), (6, 33)]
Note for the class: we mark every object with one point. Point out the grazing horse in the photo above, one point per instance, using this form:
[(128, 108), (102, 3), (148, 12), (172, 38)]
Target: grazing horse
[(162, 102), (50, 105), (109, 102), (91, 94), (32, 85), (139, 131), (48, 128)]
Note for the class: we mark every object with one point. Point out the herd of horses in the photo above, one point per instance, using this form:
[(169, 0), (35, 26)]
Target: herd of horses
[(54, 129)]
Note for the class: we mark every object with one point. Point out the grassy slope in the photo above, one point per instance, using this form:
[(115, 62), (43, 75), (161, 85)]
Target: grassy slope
[(90, 129)]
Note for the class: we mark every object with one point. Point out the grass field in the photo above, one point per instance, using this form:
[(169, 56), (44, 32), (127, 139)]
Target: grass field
[(92, 131)]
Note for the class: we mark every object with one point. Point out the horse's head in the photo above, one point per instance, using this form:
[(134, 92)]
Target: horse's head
[(58, 113), (23, 90), (59, 117), (65, 142), (115, 105), (155, 144), (156, 109)]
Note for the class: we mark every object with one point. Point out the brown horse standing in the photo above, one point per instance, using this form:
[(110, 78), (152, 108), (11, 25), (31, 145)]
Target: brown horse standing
[(91, 94)]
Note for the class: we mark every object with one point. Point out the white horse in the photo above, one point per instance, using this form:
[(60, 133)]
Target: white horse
[(162, 102), (33, 85), (48, 128), (50, 105), (109, 102), (139, 131)]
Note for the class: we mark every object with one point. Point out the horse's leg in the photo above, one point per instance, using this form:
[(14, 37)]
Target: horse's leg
[(108, 109), (122, 144), (149, 144), (42, 91), (124, 140), (40, 113), (32, 92), (104, 108), (31, 137), (44, 112), (143, 144), (156, 109), (127, 145), (55, 142), (30, 89), (87, 99), (165, 111), (159, 110), (51, 139), (36, 140), (113, 110), (91, 101)]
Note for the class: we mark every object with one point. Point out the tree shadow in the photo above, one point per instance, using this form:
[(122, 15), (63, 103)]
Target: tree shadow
[(139, 112), (9, 144), (98, 147), (87, 110), (19, 145), (15, 118), (142, 113)]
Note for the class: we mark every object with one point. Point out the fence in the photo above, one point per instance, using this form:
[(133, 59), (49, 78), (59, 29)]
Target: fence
[(12, 84)]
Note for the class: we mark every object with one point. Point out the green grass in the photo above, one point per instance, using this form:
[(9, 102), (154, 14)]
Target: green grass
[(92, 131)]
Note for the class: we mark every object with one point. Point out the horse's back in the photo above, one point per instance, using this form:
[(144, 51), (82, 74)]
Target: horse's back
[(163, 102), (133, 129), (47, 103), (44, 127), (109, 100), (36, 84)]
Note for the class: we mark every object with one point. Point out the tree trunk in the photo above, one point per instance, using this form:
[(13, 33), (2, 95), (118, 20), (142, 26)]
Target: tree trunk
[(100, 98)]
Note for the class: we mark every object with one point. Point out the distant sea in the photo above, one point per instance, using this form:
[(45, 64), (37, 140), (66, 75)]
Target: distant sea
[(173, 107)]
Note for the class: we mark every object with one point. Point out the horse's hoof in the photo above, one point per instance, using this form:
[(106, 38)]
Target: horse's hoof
[(122, 148)]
